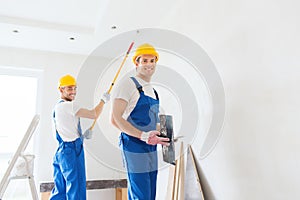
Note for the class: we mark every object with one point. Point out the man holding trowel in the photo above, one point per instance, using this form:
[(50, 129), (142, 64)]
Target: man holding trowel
[(135, 113), (68, 162)]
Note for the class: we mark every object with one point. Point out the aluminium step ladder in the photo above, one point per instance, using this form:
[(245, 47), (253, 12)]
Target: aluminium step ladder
[(20, 161)]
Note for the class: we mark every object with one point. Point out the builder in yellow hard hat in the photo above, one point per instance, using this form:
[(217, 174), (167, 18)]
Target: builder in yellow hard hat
[(135, 114), (68, 163)]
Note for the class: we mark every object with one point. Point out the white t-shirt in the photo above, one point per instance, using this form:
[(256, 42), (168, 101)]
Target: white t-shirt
[(66, 122), (126, 90)]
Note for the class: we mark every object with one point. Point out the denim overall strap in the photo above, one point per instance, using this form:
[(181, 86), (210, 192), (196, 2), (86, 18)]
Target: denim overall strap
[(137, 85), (60, 141), (80, 130), (140, 88)]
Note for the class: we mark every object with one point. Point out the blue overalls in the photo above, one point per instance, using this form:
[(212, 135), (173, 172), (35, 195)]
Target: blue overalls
[(69, 169), (140, 159)]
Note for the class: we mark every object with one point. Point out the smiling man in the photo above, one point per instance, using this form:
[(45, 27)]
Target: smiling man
[(68, 162), (135, 114)]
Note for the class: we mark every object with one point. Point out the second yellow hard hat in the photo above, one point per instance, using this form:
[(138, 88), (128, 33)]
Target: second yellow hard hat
[(145, 49), (66, 81)]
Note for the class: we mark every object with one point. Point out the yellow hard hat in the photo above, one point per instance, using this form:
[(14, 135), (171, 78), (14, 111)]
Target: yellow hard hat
[(66, 81), (145, 49)]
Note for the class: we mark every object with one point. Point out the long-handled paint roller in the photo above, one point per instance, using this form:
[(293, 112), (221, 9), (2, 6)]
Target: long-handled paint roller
[(88, 132)]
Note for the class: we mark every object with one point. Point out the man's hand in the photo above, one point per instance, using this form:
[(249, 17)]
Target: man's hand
[(152, 138), (88, 134), (105, 97)]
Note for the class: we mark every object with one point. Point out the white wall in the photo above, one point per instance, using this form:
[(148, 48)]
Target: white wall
[(255, 46)]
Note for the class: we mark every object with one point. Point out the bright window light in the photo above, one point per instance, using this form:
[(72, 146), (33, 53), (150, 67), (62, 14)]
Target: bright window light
[(18, 106)]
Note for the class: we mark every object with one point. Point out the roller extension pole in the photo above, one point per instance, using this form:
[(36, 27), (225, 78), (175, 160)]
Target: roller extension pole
[(113, 82)]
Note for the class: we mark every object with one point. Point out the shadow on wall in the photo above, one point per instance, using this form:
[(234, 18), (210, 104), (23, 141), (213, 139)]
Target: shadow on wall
[(207, 191)]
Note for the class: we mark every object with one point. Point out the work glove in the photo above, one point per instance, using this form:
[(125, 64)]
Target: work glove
[(88, 134), (152, 138), (105, 97)]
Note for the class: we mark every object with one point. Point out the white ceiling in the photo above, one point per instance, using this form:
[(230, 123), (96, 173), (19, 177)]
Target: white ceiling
[(49, 24)]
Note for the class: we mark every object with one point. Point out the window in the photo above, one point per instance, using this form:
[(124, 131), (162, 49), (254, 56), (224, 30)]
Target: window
[(18, 105)]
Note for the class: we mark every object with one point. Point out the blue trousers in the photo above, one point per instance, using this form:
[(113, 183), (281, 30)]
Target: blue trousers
[(69, 172), (140, 160), (142, 186)]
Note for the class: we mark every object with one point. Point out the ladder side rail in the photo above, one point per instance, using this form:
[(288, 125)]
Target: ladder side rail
[(21, 148)]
